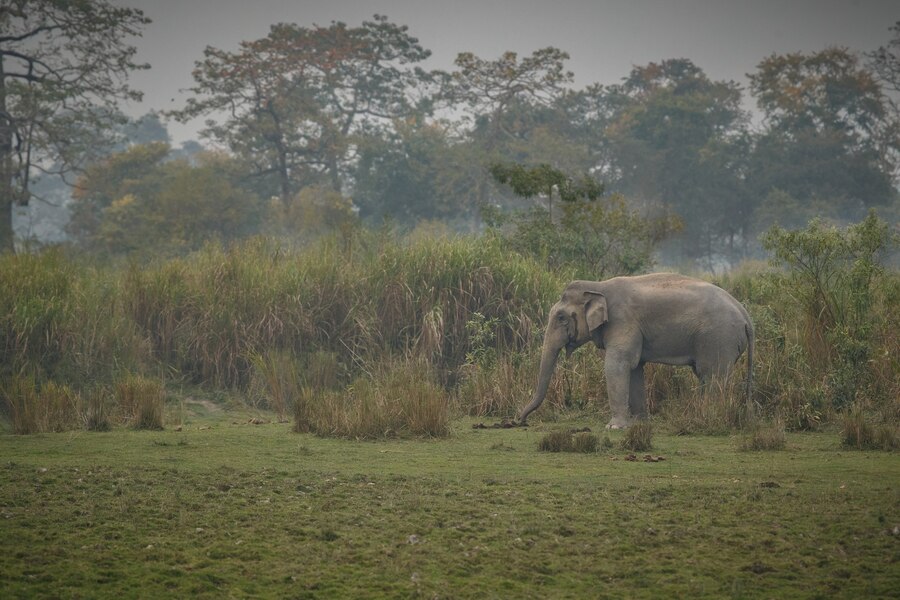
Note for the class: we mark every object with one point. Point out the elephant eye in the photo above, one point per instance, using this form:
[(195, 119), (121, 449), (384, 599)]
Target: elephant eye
[(560, 317)]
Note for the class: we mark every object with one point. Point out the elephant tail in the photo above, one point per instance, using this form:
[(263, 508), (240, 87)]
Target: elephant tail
[(748, 328)]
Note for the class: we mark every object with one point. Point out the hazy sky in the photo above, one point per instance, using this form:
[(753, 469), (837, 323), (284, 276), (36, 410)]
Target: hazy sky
[(605, 38)]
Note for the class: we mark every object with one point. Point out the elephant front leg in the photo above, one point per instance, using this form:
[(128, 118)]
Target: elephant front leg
[(617, 386), (637, 393)]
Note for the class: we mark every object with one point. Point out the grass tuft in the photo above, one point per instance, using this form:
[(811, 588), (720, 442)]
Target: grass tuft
[(859, 434), (566, 441), (764, 436), (142, 401), (638, 437), (95, 410)]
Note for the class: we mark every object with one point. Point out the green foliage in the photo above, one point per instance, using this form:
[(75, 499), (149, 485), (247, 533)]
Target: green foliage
[(34, 408), (544, 180), (96, 410), (417, 171), (272, 325), (140, 203), (35, 304), (593, 240), (482, 350), (835, 276), (677, 142), (315, 212), (831, 137)]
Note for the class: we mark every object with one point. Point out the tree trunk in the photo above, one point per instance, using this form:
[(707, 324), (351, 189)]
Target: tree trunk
[(7, 179), (7, 238)]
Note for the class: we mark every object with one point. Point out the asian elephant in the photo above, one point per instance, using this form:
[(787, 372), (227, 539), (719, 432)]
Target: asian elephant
[(660, 318)]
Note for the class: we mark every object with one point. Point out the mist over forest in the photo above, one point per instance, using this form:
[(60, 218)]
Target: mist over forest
[(312, 130)]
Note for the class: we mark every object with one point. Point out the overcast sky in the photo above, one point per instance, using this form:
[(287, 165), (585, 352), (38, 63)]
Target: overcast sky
[(605, 38)]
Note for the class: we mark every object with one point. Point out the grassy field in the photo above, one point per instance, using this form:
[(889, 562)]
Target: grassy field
[(227, 508)]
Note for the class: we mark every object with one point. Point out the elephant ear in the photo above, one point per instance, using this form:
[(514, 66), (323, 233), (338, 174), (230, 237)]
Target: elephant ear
[(595, 310)]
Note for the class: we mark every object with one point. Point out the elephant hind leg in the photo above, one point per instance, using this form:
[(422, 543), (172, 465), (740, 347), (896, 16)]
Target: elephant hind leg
[(637, 393)]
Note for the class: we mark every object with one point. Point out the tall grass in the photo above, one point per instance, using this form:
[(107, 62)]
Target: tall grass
[(141, 401), (402, 400), (280, 324), (690, 407), (34, 408)]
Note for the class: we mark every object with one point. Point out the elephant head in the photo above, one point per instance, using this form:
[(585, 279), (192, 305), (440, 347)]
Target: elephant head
[(572, 323)]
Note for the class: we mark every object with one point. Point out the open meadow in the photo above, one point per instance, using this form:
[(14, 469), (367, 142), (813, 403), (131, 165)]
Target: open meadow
[(227, 508), (260, 421)]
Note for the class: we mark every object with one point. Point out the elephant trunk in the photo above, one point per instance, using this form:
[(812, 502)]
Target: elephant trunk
[(548, 363)]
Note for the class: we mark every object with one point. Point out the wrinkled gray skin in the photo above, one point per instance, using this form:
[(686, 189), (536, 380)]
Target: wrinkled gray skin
[(660, 318)]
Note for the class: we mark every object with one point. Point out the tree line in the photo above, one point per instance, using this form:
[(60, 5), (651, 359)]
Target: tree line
[(327, 126)]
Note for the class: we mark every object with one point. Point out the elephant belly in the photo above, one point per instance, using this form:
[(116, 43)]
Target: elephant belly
[(671, 352)]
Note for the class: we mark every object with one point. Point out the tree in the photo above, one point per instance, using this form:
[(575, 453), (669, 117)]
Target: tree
[(676, 141), (830, 136), (543, 180), (63, 69), (499, 98), (293, 102), (139, 201), (416, 171), (595, 237), (885, 61)]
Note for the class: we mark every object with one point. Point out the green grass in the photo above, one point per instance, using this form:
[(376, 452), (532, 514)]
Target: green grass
[(224, 508)]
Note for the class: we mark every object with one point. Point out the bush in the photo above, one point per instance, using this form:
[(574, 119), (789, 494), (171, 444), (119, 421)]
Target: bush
[(836, 276), (278, 376)]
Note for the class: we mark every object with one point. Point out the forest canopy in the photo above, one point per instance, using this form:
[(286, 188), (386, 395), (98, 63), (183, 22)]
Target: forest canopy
[(321, 127)]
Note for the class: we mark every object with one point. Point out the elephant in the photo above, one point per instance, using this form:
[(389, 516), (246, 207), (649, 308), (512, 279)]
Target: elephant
[(658, 318)]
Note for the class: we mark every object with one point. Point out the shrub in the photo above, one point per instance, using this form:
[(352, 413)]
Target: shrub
[(303, 410), (836, 275), (141, 401), (638, 437)]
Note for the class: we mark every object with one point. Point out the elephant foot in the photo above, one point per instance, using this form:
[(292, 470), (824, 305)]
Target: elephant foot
[(618, 423)]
